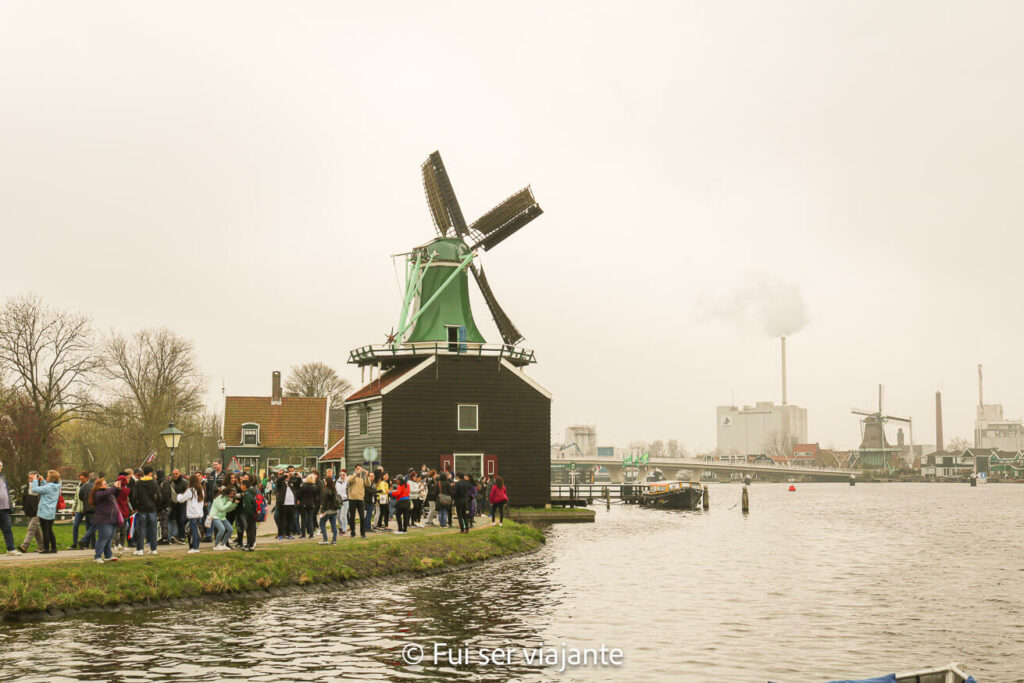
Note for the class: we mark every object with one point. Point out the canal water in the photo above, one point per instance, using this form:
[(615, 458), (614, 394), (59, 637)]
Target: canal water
[(825, 582)]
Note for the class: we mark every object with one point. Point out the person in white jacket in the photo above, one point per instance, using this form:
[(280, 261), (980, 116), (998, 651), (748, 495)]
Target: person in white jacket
[(341, 486), (193, 499)]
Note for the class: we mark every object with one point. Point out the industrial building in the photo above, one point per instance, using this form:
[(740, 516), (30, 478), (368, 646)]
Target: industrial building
[(991, 429), (761, 428), (585, 438)]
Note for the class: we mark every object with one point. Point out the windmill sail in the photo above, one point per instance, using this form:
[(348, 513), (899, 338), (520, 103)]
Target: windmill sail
[(506, 218), (444, 207), (508, 331), (506, 212)]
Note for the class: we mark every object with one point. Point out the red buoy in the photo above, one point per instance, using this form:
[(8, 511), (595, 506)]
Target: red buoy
[(792, 488)]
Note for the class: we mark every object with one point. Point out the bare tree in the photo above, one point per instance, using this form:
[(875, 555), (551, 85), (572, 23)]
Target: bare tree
[(49, 357), (317, 380), (156, 378), (957, 444)]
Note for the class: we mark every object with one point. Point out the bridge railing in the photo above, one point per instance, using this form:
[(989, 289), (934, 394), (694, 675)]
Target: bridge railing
[(682, 463)]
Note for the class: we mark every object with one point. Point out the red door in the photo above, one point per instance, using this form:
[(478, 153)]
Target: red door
[(448, 463), (491, 465)]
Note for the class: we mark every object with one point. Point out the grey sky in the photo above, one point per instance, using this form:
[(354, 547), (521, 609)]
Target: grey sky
[(241, 172)]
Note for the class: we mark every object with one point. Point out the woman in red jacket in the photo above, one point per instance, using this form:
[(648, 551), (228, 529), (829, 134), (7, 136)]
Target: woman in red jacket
[(403, 504), (499, 496), (121, 533)]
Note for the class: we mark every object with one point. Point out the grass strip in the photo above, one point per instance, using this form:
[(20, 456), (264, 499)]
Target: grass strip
[(78, 584)]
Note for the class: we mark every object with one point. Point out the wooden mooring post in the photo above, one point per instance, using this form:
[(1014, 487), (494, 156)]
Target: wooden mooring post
[(706, 502), (745, 500), (607, 499)]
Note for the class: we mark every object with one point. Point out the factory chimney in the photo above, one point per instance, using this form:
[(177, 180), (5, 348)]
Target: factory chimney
[(783, 371), (938, 421), (981, 395)]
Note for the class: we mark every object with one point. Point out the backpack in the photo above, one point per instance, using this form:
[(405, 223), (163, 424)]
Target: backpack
[(261, 508), (61, 503)]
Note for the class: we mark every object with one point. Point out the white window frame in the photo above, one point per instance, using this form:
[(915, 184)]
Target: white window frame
[(476, 407), (456, 468), (273, 463), (248, 427)]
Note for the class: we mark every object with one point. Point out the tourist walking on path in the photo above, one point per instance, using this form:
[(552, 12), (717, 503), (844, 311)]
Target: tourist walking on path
[(30, 508), (403, 504), (6, 503), (444, 501), (341, 487), (222, 504), (499, 498), (48, 492), (370, 499), (309, 497), (329, 511), (248, 513), (432, 490), (78, 509), (471, 500), (383, 501), (415, 489), (163, 515), (145, 498), (123, 495), (286, 500), (103, 498), (179, 485), (356, 487), (214, 482), (192, 499), (460, 495)]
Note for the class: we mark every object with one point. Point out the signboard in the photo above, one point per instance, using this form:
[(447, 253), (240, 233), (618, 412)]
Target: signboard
[(370, 454)]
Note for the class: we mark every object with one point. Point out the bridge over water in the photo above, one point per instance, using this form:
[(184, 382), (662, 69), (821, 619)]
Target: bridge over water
[(698, 467)]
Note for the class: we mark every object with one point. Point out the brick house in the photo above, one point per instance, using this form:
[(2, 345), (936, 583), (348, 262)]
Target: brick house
[(262, 432)]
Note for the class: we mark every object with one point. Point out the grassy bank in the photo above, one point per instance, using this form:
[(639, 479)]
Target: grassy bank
[(33, 587)]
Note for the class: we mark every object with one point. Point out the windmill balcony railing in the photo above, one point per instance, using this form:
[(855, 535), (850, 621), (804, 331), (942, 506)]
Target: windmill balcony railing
[(383, 353)]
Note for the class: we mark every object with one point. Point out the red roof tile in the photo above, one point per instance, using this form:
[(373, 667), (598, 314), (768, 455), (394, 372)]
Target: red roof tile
[(337, 451), (374, 388), (295, 423)]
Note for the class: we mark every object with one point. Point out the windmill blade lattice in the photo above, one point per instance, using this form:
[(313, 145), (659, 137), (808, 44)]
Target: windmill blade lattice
[(444, 207), (508, 331), (506, 218)]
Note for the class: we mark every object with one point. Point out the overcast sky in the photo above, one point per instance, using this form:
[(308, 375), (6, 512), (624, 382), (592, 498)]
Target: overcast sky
[(242, 172)]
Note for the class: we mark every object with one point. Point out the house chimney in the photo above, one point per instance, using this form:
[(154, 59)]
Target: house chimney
[(275, 396), (783, 371), (938, 421)]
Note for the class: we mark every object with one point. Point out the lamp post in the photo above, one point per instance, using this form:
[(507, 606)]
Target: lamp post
[(172, 436), (221, 445)]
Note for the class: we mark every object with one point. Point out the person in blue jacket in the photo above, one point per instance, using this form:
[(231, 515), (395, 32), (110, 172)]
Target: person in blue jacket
[(48, 492)]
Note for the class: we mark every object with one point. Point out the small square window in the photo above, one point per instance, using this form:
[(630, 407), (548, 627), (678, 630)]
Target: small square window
[(468, 417)]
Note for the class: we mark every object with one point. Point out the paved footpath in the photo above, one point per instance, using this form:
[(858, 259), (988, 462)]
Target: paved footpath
[(266, 533)]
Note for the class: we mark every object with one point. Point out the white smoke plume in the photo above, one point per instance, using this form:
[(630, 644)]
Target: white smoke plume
[(762, 301)]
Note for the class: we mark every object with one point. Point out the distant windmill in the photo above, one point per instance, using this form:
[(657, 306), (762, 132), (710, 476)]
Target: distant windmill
[(874, 447)]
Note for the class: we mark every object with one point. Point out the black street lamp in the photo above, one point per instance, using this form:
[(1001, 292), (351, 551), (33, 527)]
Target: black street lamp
[(172, 436)]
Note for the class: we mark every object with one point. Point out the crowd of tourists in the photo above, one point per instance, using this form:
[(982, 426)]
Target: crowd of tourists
[(142, 507), (366, 501)]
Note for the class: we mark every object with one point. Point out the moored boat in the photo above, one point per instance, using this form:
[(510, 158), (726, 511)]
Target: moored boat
[(673, 495), (945, 674)]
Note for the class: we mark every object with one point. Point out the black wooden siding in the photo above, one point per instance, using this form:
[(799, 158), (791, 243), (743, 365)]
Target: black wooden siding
[(420, 423)]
